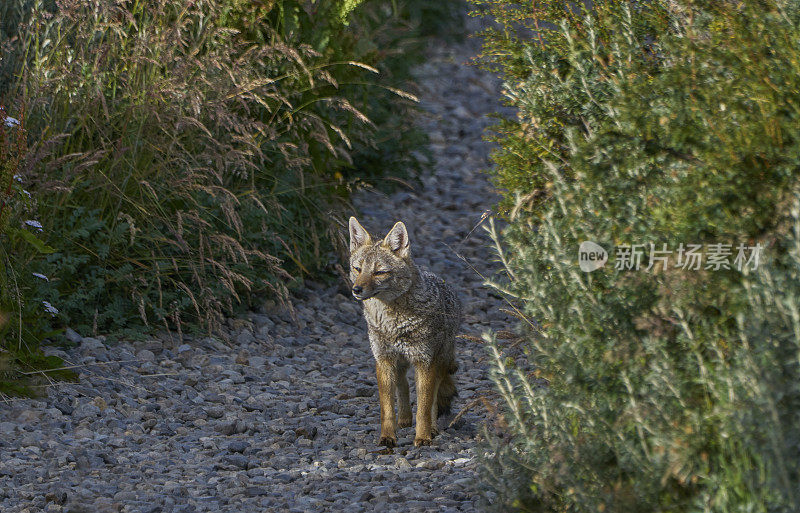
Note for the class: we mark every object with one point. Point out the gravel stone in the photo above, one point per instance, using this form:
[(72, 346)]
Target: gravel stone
[(238, 446), (73, 336), (146, 355), (237, 460), (91, 345), (257, 362)]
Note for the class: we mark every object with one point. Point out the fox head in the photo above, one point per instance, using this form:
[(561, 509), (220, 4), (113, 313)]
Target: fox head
[(384, 269)]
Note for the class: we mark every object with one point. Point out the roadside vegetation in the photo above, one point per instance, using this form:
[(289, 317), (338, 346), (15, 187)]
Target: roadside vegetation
[(666, 388)]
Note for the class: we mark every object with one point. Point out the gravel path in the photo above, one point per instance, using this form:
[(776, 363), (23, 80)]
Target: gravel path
[(286, 417)]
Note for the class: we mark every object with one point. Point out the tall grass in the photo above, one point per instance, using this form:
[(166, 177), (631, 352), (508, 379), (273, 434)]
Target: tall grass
[(204, 149)]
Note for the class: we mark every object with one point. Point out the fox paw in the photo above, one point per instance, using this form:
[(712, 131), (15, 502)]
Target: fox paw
[(419, 442), (388, 441), (404, 421)]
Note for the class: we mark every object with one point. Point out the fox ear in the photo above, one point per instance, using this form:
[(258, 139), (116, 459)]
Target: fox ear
[(397, 239), (358, 235)]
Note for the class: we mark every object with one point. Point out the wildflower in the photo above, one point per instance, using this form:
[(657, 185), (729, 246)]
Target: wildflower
[(34, 224), (28, 194), (18, 178), (11, 121), (41, 276), (52, 310)]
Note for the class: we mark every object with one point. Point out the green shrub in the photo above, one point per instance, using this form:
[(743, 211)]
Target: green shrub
[(667, 390), (23, 310), (204, 148)]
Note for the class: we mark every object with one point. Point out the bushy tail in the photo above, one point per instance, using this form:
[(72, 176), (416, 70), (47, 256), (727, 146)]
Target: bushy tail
[(444, 397)]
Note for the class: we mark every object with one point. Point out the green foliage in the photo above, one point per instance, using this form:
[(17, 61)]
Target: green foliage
[(554, 61), (29, 373), (195, 155), (23, 310), (666, 123)]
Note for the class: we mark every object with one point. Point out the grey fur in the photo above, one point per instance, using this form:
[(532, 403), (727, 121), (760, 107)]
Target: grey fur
[(411, 313)]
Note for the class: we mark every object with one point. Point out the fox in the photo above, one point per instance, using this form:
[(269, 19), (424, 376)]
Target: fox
[(412, 319)]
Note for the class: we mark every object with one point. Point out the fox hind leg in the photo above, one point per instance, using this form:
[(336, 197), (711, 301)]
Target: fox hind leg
[(447, 391), (404, 418)]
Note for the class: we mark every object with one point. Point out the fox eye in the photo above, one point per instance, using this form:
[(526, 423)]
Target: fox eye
[(380, 272), (356, 269)]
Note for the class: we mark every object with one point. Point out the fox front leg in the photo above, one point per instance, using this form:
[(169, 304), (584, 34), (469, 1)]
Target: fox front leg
[(385, 371), (426, 391)]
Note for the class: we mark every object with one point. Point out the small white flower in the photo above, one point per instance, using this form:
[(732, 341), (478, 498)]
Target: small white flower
[(18, 178), (28, 194), (52, 310), (34, 224), (41, 276), (11, 121)]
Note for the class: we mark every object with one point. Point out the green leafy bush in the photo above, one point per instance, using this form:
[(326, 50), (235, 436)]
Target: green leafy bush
[(23, 310), (667, 389), (204, 148)]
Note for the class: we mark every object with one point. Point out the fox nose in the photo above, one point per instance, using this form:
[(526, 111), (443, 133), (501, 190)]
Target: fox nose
[(358, 289)]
